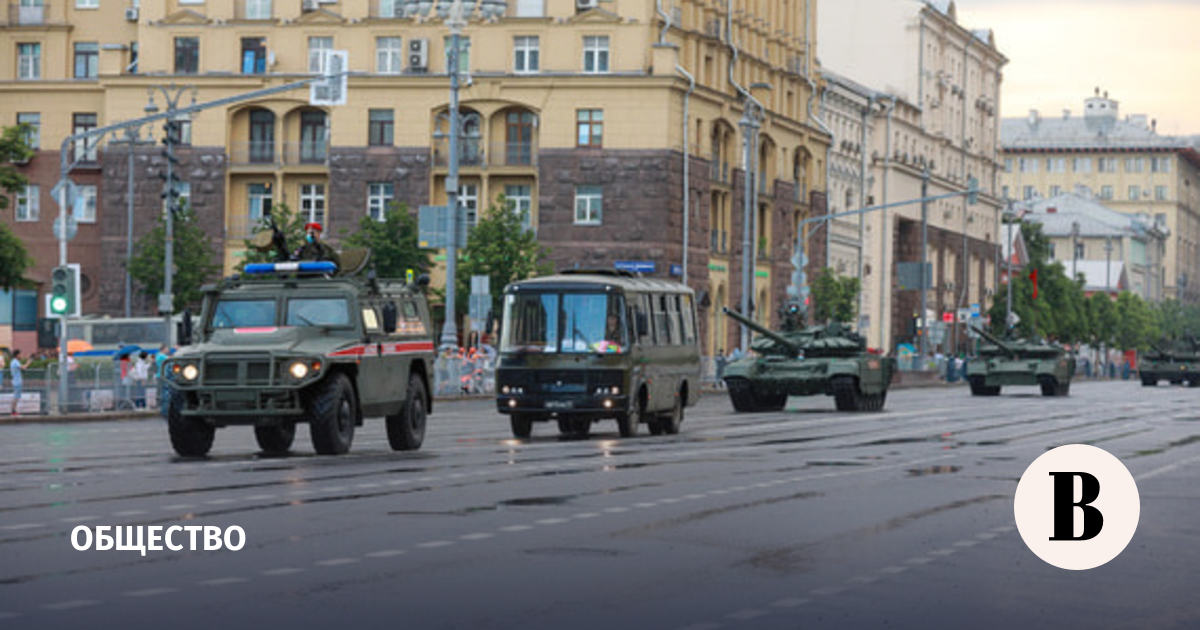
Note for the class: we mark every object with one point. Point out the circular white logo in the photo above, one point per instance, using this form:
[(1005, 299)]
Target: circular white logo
[(1077, 507)]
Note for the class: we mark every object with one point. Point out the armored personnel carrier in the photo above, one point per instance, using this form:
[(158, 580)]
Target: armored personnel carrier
[(295, 342), (830, 360), (1019, 362), (1176, 362)]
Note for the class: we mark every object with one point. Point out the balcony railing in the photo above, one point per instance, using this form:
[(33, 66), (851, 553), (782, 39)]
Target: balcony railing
[(513, 154), (254, 9), (253, 152), (470, 152), (265, 153), (311, 152), (719, 172), (19, 15)]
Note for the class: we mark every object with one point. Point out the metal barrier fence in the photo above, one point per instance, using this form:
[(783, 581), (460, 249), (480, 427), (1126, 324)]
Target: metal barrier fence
[(92, 386)]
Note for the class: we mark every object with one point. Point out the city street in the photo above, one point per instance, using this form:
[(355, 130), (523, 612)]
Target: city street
[(803, 518)]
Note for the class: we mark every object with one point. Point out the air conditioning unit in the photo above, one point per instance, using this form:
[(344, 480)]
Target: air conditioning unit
[(583, 5), (418, 55), (131, 14)]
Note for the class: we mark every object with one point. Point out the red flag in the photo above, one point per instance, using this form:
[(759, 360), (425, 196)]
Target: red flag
[(1033, 276)]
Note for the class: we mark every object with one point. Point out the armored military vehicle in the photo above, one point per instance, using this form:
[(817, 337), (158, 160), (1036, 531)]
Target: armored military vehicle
[(1019, 362), (830, 360), (1176, 362), (297, 342)]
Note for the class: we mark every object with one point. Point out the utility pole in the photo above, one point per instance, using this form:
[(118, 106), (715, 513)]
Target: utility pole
[(750, 126), (924, 261), (1008, 267), (1108, 264), (450, 328), (1074, 250)]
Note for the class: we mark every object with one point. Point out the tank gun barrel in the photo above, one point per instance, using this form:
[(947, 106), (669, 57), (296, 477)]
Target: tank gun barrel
[(999, 344), (769, 334)]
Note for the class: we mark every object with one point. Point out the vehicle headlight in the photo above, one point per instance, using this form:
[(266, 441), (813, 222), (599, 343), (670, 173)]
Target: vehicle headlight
[(298, 370), (190, 372), (505, 389)]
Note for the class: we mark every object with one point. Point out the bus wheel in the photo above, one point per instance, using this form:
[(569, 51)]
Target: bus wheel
[(670, 423), (627, 423), (522, 425)]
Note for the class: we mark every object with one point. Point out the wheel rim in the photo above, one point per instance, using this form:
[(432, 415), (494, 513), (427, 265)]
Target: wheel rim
[(343, 419), (417, 413)]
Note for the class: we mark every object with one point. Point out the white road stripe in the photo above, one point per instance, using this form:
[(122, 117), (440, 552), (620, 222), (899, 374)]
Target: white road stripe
[(148, 592), (386, 553), (335, 562), (433, 544), (68, 605), (222, 581), (282, 571)]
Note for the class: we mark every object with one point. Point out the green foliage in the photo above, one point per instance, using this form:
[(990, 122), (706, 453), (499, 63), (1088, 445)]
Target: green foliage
[(194, 258), (1135, 325), (290, 223), (393, 243), (14, 260), (501, 248), (834, 297)]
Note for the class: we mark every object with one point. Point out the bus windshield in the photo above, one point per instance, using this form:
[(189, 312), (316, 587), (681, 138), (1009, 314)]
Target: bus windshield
[(564, 322)]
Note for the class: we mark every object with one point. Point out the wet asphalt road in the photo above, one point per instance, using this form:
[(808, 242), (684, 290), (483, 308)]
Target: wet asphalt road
[(803, 518)]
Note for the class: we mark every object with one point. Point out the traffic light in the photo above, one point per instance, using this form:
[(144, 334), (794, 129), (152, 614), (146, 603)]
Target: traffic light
[(64, 291), (972, 190), (172, 136)]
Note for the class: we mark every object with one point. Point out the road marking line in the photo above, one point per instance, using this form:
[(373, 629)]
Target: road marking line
[(515, 528), (260, 497), (178, 506), (986, 535), (434, 544), (220, 501), (334, 562), (476, 536), (222, 581), (616, 510), (551, 521), (1166, 469), (583, 515), (78, 519), (919, 560), (790, 602), (645, 504), (367, 485), (966, 543), (694, 496), (68, 605), (747, 614), (702, 626), (943, 552), (282, 571), (21, 526), (148, 592), (1003, 529), (9, 615), (386, 553), (670, 500)]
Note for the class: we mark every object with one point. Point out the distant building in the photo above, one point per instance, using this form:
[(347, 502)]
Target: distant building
[(1126, 165), (1112, 250)]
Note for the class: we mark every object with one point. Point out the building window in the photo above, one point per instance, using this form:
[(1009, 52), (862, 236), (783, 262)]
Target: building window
[(33, 133), (1160, 165), (184, 121), (29, 61), (187, 55), (85, 148), (88, 213), (254, 55), (1004, 192), (258, 202), (87, 60), (1083, 165), (262, 136), (258, 10), (525, 54), (1055, 190), (589, 201), (1051, 251), (184, 190), (464, 53), (389, 55), (28, 203), (1029, 165), (87, 4), (589, 127), (468, 196), (1160, 193), (313, 136), (1134, 193), (1056, 165), (1029, 193), (595, 53), (1008, 163), (379, 195), (520, 200), (1106, 192), (379, 127), (518, 138), (312, 203), (1108, 165), (316, 53), (1079, 251), (1134, 165)]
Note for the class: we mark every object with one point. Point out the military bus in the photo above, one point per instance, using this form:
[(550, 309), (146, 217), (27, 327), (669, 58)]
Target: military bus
[(587, 345)]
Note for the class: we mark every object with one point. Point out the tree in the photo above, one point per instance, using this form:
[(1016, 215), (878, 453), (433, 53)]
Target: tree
[(500, 247), (1135, 325), (290, 223), (393, 243), (1059, 312), (193, 256), (14, 260), (834, 297)]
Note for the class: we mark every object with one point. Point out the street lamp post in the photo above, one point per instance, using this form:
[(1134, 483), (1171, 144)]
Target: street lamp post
[(924, 283), (750, 126)]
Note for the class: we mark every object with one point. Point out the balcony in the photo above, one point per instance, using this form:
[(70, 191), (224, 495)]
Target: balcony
[(254, 10), (719, 172), (264, 153), (21, 15), (255, 152), (470, 152), (307, 152), (513, 154)]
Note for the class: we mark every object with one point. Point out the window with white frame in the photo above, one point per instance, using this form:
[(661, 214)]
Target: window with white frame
[(525, 54), (1028, 193), (258, 9), (1106, 192), (1134, 193), (28, 204), (1160, 193), (1160, 165), (389, 55), (379, 195), (29, 61), (520, 201), (316, 53), (86, 208), (1008, 164), (1082, 165), (33, 134), (1134, 165), (312, 203), (468, 196), (1029, 165), (85, 148), (1055, 190), (464, 53), (595, 53), (1107, 165), (87, 4), (1056, 165), (589, 205)]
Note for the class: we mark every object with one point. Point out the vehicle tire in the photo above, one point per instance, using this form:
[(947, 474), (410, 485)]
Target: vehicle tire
[(190, 436), (671, 422), (740, 395), (845, 393), (627, 423), (1149, 382), (1049, 387), (979, 389), (406, 430), (883, 399), (1063, 389), (332, 412), (565, 427), (276, 439), (522, 425), (581, 427), (655, 426)]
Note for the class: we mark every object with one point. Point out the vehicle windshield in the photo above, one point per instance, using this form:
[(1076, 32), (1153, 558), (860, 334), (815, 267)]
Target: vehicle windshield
[(564, 322), (243, 313), (318, 312)]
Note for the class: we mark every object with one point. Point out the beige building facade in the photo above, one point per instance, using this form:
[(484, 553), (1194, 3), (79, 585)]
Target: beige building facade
[(578, 112)]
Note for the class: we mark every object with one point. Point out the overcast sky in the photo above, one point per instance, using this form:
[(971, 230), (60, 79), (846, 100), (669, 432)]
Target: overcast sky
[(1146, 54)]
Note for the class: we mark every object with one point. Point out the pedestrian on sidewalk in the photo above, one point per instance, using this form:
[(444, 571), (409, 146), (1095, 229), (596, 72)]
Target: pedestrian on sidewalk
[(720, 360), (141, 373), (14, 368)]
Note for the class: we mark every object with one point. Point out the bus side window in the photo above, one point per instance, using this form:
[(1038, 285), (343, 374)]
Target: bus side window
[(675, 323), (689, 321), (662, 316), (645, 334)]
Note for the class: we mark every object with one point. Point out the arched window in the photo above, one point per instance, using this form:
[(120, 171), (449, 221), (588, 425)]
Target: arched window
[(262, 136)]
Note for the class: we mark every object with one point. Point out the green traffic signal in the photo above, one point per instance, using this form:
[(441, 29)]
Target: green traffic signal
[(62, 291)]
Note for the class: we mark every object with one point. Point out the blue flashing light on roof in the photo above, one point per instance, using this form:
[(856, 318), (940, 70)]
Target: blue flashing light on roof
[(322, 266)]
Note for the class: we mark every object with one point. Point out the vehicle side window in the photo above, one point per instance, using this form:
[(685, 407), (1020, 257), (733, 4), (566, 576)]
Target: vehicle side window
[(673, 320), (409, 322), (640, 307), (371, 320), (689, 320), (664, 332)]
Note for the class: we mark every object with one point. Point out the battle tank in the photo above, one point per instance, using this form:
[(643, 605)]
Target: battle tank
[(830, 360), (1175, 362), (1019, 362)]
